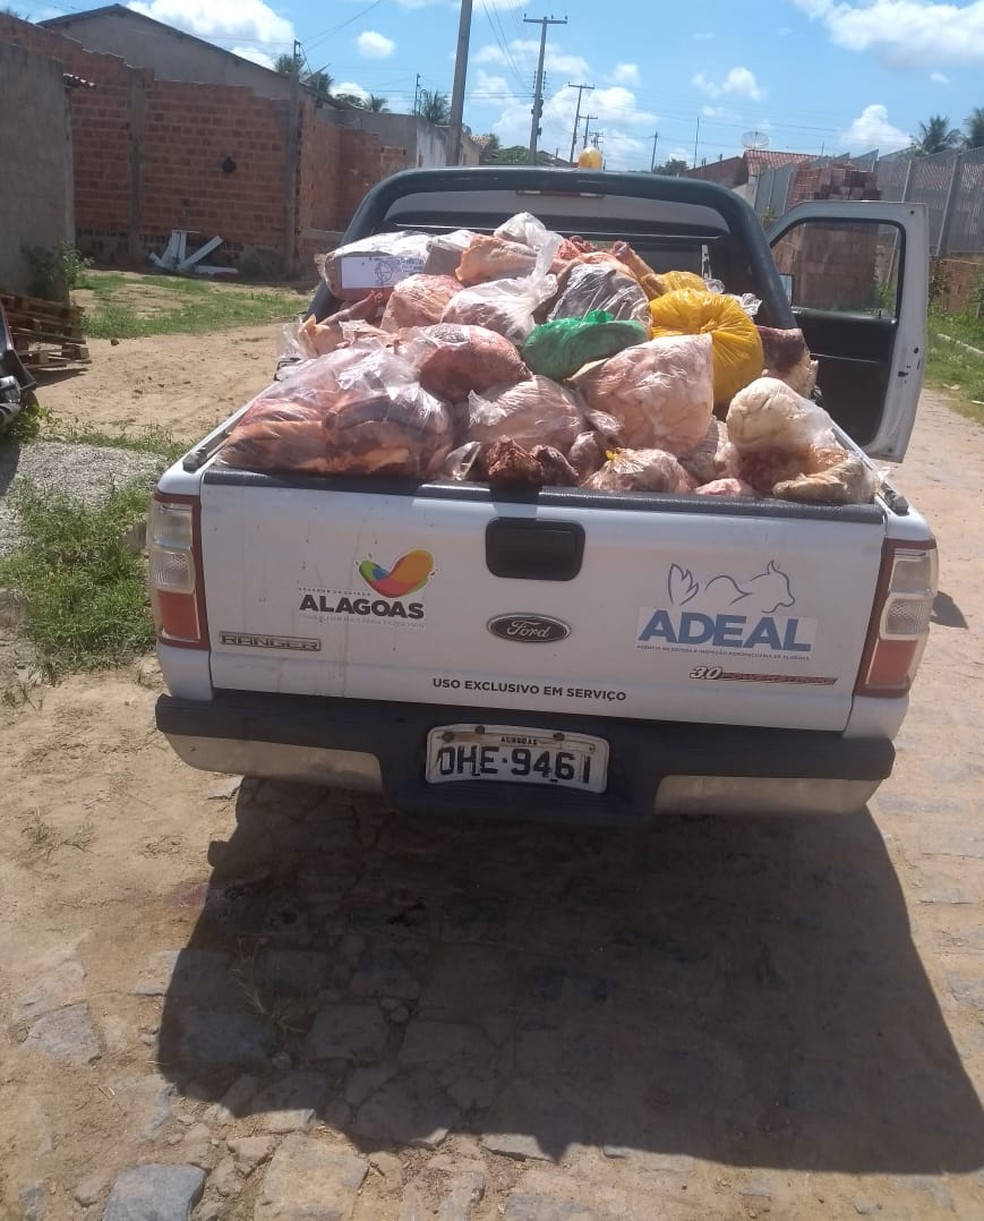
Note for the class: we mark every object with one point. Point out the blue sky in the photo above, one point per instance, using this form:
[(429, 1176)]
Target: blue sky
[(811, 75)]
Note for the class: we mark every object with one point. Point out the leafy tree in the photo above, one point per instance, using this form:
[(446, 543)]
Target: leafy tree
[(974, 127), (434, 107), (515, 154), (491, 147), (377, 104), (672, 168), (289, 65), (355, 100), (936, 136)]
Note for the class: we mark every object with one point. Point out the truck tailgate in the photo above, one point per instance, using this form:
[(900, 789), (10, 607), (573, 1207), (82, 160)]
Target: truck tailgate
[(682, 610)]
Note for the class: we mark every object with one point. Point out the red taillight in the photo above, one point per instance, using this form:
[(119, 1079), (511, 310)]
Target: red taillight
[(900, 619), (174, 561)]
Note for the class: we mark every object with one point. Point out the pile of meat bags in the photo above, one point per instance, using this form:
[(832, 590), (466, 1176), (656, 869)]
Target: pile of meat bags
[(524, 359)]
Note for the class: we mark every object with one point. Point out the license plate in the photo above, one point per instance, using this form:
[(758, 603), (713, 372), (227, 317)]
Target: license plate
[(517, 756)]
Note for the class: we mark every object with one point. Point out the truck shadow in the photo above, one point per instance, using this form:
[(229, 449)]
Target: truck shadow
[(738, 990)]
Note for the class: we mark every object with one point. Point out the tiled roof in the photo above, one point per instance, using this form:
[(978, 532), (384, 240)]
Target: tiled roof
[(758, 159)]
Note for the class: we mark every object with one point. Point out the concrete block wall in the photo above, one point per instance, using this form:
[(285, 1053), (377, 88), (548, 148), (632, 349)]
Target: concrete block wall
[(36, 177)]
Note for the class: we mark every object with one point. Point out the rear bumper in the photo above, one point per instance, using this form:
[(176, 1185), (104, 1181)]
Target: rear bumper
[(655, 766)]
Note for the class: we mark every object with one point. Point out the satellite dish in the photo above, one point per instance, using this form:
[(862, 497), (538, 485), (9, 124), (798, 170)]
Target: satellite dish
[(755, 139)]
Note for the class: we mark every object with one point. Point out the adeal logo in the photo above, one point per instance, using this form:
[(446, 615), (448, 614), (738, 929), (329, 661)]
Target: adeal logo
[(408, 574)]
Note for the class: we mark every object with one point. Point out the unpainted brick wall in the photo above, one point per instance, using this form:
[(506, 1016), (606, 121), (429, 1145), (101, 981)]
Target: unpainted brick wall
[(148, 158), (958, 281)]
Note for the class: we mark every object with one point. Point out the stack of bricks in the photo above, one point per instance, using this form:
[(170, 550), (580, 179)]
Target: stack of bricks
[(832, 182), (833, 265)]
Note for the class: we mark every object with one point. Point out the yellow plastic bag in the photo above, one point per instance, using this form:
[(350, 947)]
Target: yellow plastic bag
[(736, 351), (674, 280)]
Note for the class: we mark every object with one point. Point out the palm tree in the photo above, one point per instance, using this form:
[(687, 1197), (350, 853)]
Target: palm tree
[(288, 65), (974, 126), (355, 100), (936, 136), (434, 107), (377, 105), (320, 81)]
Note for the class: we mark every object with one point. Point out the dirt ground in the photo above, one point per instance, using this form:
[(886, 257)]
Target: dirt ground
[(711, 1019), (183, 384)]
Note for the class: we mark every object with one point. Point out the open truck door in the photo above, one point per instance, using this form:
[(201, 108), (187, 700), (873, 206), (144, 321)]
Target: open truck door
[(857, 277)]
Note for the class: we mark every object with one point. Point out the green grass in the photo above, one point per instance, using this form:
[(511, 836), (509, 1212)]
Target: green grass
[(85, 590), (953, 368), (134, 307)]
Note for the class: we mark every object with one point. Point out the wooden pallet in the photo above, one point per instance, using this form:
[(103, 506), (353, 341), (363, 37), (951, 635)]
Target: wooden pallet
[(46, 334), (51, 358)]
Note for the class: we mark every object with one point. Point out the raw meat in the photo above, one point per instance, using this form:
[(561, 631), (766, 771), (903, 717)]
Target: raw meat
[(418, 301), (661, 392), (587, 287), (444, 252), (787, 358), (350, 412), (507, 463), (537, 411), (555, 470), (725, 487), (649, 281), (714, 458), (850, 482), (587, 454), (769, 415), (319, 338), (451, 361), (764, 468), (504, 306), (641, 470), (487, 257)]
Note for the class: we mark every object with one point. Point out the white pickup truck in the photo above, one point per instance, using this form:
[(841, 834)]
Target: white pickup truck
[(585, 656)]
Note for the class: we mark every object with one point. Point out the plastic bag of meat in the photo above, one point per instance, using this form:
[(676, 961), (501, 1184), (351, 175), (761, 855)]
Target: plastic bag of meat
[(725, 487), (714, 458), (505, 306), (418, 301), (598, 286), (352, 412), (769, 415), (787, 357), (558, 349), (661, 392), (460, 463), (526, 229), (532, 412), (310, 338), (641, 470), (587, 454), (487, 257), (451, 361), (377, 262), (737, 350), (445, 251), (848, 482)]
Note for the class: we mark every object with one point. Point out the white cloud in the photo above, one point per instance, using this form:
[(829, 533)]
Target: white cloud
[(243, 20), (373, 45), (254, 55), (523, 53), (351, 87), (904, 33), (720, 112), (502, 5), (626, 74), (938, 78), (871, 130), (740, 82)]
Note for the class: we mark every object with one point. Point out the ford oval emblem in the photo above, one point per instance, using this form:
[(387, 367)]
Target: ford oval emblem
[(528, 629)]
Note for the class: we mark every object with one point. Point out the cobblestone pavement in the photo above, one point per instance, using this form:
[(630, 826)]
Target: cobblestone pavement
[(331, 1011)]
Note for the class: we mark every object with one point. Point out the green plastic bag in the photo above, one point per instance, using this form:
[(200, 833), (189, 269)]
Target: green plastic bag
[(558, 349)]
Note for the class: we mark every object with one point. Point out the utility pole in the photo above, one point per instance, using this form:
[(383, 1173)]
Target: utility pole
[(416, 92), (458, 89), (542, 22), (652, 168), (587, 126), (577, 114), (696, 139)]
